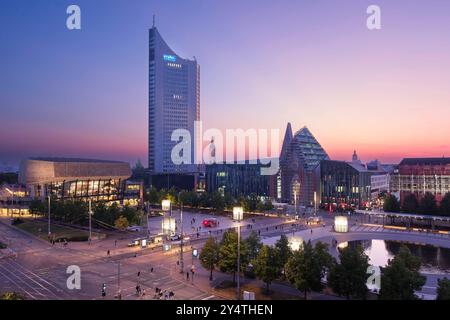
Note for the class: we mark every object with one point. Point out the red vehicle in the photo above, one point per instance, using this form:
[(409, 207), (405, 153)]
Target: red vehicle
[(210, 223)]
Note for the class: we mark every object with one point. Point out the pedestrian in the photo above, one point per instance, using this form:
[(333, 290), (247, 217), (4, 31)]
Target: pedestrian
[(187, 276), (115, 243), (151, 270), (108, 253), (311, 231), (259, 232), (139, 274)]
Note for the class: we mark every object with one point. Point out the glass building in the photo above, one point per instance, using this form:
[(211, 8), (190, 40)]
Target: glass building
[(238, 179), (61, 178), (174, 103), (300, 155)]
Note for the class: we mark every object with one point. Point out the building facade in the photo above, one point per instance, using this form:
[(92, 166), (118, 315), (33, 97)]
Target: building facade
[(344, 184), (83, 179), (422, 175), (300, 155), (238, 179), (174, 103)]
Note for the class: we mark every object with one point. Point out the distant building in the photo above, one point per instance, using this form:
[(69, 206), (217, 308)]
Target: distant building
[(238, 179), (83, 179), (349, 184), (422, 175), (300, 155), (174, 103)]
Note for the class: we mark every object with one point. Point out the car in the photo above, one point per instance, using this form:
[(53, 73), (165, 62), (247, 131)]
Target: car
[(135, 243), (135, 228), (174, 237), (210, 223)]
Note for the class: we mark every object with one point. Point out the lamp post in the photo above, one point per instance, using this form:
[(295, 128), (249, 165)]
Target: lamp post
[(182, 236), (90, 221), (49, 230), (238, 214)]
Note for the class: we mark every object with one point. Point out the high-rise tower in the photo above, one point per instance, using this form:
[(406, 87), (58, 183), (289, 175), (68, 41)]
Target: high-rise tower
[(174, 103)]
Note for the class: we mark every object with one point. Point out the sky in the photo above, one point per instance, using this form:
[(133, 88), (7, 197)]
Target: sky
[(314, 63)]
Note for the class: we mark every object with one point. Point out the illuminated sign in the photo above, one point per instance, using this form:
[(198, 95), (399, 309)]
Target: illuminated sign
[(168, 57)]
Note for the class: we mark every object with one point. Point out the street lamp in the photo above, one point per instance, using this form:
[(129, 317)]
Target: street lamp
[(238, 215), (182, 236), (49, 230), (90, 213)]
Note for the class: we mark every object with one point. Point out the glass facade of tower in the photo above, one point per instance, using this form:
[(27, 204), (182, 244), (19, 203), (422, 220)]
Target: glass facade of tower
[(174, 103)]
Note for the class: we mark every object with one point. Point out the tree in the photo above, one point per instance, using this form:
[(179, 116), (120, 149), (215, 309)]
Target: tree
[(250, 203), (401, 277), (307, 266), (131, 214), (209, 256), (217, 201), (349, 277), (253, 244), (444, 208), (284, 252), (266, 265), (428, 204), (443, 289), (152, 196), (228, 254), (410, 203), (391, 203), (11, 296), (37, 207), (121, 223)]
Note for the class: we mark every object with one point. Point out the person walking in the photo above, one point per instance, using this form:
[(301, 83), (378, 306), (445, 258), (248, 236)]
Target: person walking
[(187, 276), (108, 253)]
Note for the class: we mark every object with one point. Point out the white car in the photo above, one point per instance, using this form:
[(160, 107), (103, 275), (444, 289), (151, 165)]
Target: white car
[(134, 228)]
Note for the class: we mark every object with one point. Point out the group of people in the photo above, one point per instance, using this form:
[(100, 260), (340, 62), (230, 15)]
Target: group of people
[(163, 295)]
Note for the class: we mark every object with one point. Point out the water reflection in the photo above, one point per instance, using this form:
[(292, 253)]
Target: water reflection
[(434, 259)]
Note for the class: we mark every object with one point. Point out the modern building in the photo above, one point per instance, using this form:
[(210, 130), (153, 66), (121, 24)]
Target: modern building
[(300, 155), (422, 175), (83, 179), (174, 103), (344, 184), (237, 179), (349, 184)]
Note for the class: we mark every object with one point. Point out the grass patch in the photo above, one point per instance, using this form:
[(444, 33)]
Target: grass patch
[(39, 229)]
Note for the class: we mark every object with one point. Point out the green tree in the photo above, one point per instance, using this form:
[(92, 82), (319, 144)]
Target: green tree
[(209, 256), (266, 265), (444, 208), (349, 277), (11, 296), (228, 254), (307, 266), (217, 201), (443, 289), (391, 203), (253, 244), (152, 196), (121, 223), (284, 252), (410, 204), (428, 204), (37, 207), (131, 214), (401, 277), (250, 203)]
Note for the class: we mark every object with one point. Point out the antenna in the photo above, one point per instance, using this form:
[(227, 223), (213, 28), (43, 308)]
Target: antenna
[(154, 18)]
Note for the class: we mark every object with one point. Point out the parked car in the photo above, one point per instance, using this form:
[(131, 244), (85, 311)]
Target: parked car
[(135, 228)]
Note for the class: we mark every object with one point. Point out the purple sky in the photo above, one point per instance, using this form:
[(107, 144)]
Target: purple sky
[(263, 63)]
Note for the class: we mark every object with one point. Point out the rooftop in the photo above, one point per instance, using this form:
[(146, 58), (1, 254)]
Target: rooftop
[(425, 161), (76, 160)]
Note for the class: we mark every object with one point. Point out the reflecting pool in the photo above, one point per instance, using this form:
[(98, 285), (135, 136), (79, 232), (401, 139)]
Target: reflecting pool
[(434, 259)]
